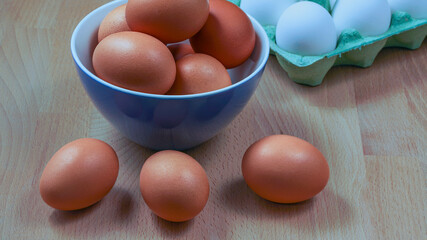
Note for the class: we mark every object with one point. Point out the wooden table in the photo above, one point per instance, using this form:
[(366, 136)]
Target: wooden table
[(371, 125)]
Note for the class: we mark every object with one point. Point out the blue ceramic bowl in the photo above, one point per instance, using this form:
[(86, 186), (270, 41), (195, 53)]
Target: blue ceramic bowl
[(163, 121)]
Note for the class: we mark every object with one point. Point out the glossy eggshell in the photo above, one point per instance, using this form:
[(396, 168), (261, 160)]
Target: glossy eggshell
[(174, 185), (169, 21), (369, 18), (135, 61), (79, 174), (228, 34), (114, 22), (266, 12), (308, 36), (285, 169), (180, 50), (198, 73)]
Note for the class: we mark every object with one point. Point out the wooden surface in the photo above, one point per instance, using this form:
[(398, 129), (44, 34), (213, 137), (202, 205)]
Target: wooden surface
[(371, 124)]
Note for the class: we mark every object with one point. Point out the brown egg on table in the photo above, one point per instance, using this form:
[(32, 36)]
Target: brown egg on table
[(198, 73), (114, 22), (228, 34), (169, 21), (174, 185), (285, 169), (79, 174), (135, 61), (180, 50)]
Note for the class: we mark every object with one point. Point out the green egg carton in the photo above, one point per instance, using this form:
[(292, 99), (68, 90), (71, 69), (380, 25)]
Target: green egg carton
[(352, 49)]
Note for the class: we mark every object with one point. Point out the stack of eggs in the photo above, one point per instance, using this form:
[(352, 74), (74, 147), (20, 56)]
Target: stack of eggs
[(142, 45), (308, 29)]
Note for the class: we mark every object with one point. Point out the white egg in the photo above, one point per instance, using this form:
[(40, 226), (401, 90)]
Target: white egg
[(267, 12), (416, 8), (306, 28), (369, 17)]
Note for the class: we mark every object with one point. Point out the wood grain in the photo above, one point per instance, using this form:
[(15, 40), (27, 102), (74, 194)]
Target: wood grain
[(371, 125)]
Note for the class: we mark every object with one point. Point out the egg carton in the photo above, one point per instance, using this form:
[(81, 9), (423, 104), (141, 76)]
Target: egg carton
[(352, 49)]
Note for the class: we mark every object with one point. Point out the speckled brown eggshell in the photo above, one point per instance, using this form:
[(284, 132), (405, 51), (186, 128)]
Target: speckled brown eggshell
[(169, 21), (114, 22), (135, 61), (285, 169), (79, 174), (180, 50), (198, 73), (174, 185), (228, 34)]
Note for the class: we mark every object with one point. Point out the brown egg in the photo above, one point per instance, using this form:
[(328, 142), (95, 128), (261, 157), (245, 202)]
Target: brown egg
[(174, 185), (180, 50), (198, 73), (114, 22), (228, 34), (169, 21), (135, 61), (79, 174), (285, 169)]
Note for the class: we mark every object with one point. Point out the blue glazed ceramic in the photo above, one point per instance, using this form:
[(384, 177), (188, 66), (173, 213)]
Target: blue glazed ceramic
[(161, 121)]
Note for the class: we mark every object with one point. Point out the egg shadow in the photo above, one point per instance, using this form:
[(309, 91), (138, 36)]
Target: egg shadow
[(62, 218), (117, 196), (113, 212), (125, 205), (238, 197), (171, 229)]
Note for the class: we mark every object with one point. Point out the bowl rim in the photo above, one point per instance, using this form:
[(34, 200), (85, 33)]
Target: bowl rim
[(261, 33)]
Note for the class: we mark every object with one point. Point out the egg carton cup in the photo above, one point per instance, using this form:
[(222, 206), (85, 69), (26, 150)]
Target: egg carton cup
[(352, 49)]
